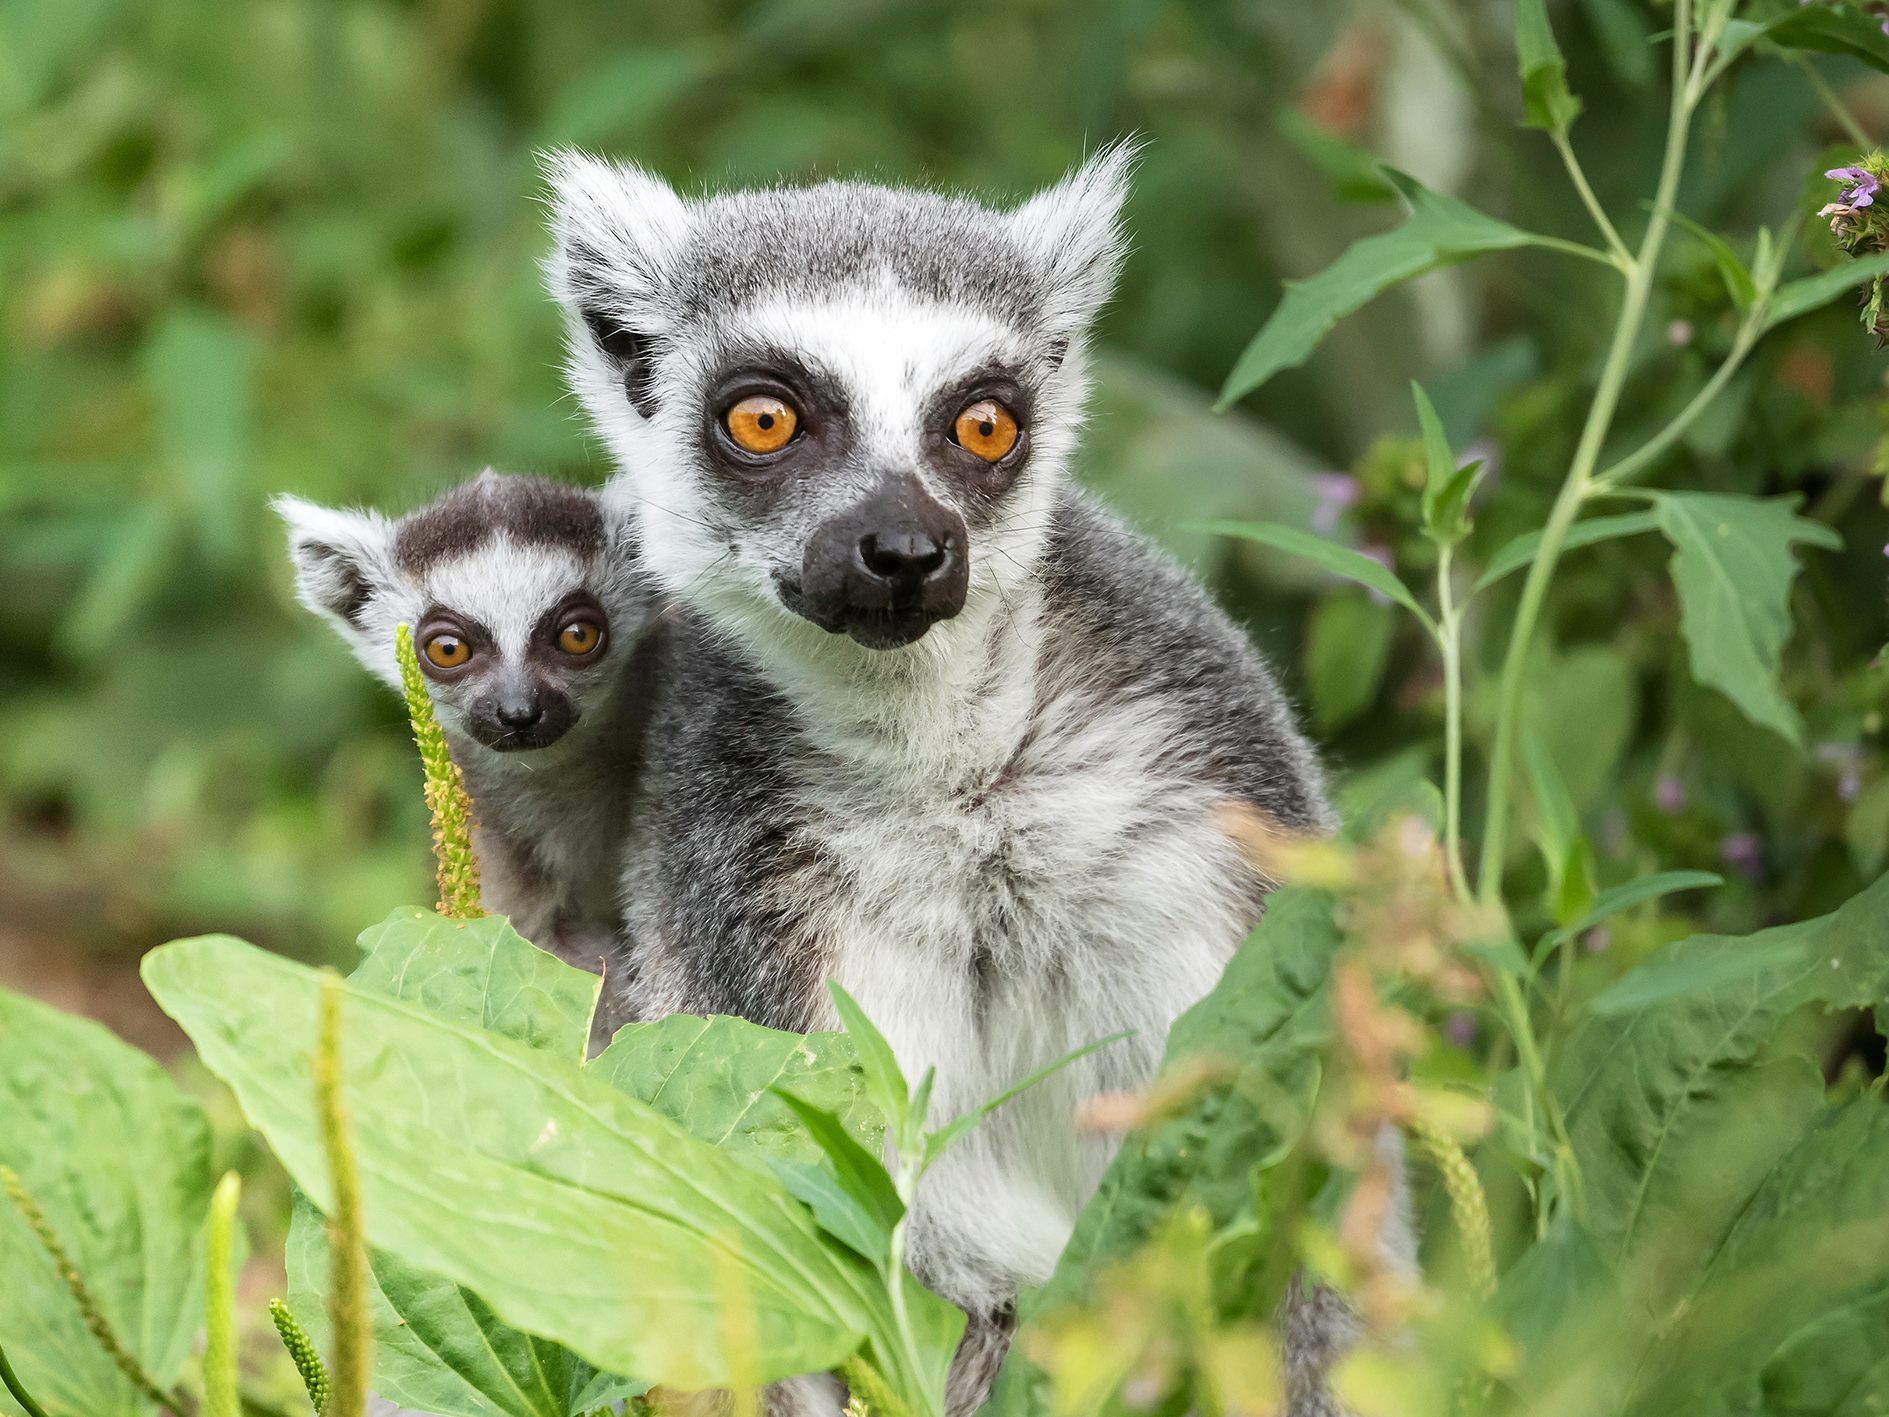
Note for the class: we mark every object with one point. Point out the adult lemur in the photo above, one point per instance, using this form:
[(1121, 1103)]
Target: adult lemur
[(527, 607), (930, 723)]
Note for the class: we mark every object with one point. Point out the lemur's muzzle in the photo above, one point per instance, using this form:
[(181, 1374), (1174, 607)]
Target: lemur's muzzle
[(886, 569)]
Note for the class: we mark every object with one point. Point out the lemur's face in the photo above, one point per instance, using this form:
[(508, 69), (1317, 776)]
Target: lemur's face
[(844, 405), (524, 599)]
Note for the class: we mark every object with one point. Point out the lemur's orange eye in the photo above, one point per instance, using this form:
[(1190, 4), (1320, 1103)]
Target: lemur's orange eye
[(580, 637), (986, 428), (762, 423), (447, 650)]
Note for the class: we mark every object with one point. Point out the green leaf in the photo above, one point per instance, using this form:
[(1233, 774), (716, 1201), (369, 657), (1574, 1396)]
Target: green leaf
[(718, 1077), (1569, 857), (1354, 174), (1739, 282), (1830, 29), (1439, 232), (480, 972), (940, 1141), (1733, 566), (885, 1082), (1347, 647), (1523, 549), (1807, 293), (1618, 899), (1546, 101), (861, 1205), (1340, 560), (1835, 1363), (1268, 1018), (118, 1161), (1447, 488), (470, 1143), (1625, 37), (1677, 1107), (438, 1348)]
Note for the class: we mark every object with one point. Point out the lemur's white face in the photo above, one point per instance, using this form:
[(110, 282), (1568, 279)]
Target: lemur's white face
[(524, 598), (840, 407)]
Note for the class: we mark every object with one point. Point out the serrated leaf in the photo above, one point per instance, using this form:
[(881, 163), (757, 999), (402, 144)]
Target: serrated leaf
[(1807, 293), (1523, 549), (1339, 560), (1678, 1106), (1440, 231), (1733, 565), (574, 1211), (1547, 102), (1268, 1018), (118, 1160)]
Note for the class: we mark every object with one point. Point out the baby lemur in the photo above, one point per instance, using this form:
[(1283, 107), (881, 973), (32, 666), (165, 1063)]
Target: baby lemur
[(528, 609)]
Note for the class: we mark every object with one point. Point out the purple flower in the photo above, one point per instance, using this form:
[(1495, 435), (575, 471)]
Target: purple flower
[(1744, 853), (1862, 188), (1460, 1028), (1669, 794), (1336, 491)]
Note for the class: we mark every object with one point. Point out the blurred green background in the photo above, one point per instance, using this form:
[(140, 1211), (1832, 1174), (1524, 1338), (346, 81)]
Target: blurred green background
[(292, 245)]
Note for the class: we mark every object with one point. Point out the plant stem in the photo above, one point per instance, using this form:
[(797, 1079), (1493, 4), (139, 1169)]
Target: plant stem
[(1839, 110), (347, 1242), (219, 1303), (10, 1380), (1450, 640), (1647, 452), (1574, 490), (1622, 257)]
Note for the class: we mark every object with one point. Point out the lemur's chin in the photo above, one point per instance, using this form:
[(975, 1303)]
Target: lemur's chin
[(888, 629)]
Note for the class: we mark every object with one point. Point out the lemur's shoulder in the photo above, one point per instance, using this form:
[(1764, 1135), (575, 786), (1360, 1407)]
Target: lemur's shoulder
[(1126, 623)]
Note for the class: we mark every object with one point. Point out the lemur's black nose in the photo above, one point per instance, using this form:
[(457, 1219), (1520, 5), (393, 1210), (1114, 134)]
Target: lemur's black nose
[(520, 714), (904, 560)]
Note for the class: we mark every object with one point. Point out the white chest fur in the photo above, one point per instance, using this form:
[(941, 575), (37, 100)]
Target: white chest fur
[(1082, 890)]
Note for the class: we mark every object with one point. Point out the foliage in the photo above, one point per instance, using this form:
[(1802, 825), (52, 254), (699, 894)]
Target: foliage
[(1596, 640)]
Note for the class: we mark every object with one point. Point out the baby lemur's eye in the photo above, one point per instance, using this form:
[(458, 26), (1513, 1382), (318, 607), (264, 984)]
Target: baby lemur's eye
[(447, 651), (581, 637), (762, 423), (986, 428)]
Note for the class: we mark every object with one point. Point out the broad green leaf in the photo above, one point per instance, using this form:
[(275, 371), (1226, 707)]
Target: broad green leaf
[(118, 1160), (861, 1206), (1617, 899), (1446, 488), (1546, 100), (1268, 1018), (1439, 232), (718, 1077), (1837, 1362), (1811, 1237), (1807, 293), (1739, 282), (1339, 560), (438, 1348), (1733, 565), (1676, 1108), (480, 972), (1347, 647), (1524, 548), (574, 1211)]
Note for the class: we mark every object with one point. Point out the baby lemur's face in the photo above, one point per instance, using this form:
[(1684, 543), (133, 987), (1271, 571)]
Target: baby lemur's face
[(524, 597), (842, 405)]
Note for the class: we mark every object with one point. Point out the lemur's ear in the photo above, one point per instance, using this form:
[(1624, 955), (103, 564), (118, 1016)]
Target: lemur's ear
[(341, 558), (616, 228), (1073, 233)]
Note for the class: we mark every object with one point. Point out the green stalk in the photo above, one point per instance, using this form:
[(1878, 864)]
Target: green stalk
[(219, 1303), (1449, 638), (10, 1380), (1644, 455), (1578, 176), (1575, 489), (347, 1242)]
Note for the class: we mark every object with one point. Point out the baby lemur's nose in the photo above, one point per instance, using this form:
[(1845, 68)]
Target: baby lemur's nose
[(520, 713), (904, 560)]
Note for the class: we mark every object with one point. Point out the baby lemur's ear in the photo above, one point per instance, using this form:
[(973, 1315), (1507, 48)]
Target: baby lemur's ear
[(615, 229), (342, 558), (1073, 233)]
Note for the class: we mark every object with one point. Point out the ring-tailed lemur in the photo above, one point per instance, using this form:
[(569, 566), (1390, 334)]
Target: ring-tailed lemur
[(528, 609), (932, 723)]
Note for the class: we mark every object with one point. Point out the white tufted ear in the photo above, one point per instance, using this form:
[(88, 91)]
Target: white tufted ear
[(1072, 231), (343, 559), (615, 228)]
